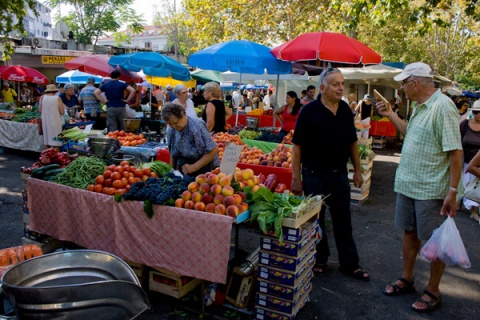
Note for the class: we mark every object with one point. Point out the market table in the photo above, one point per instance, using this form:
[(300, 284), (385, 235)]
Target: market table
[(264, 120), (189, 242), (20, 135), (382, 129)]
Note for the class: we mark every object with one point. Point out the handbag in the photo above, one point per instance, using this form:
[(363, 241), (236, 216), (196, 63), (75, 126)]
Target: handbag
[(472, 190), (40, 128)]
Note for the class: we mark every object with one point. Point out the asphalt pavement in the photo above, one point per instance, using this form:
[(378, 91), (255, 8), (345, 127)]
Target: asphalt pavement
[(334, 296)]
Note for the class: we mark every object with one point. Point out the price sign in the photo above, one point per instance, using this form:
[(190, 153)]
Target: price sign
[(231, 154), (88, 128)]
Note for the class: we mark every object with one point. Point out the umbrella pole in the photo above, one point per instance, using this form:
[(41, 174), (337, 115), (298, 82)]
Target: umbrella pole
[(276, 97), (236, 118)]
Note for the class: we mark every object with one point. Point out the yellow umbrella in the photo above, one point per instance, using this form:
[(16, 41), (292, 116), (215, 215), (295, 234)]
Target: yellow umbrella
[(163, 81)]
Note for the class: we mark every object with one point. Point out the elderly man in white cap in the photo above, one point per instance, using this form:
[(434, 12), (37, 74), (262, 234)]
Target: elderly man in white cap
[(427, 177)]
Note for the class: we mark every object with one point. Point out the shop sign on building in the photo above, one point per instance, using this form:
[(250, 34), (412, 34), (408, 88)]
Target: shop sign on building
[(55, 59)]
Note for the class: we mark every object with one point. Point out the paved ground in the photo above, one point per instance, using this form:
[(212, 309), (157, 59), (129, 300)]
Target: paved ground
[(334, 296)]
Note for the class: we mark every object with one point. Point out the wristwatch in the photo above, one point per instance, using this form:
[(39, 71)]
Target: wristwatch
[(453, 189)]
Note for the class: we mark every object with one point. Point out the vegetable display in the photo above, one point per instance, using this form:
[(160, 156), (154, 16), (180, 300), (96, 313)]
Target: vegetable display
[(365, 152), (72, 134), (159, 167), (81, 172), (51, 156)]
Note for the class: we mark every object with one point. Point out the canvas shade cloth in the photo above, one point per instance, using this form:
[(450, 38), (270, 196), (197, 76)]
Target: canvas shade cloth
[(77, 77), (191, 243)]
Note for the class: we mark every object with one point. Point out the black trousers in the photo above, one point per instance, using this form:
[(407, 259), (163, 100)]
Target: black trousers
[(335, 187)]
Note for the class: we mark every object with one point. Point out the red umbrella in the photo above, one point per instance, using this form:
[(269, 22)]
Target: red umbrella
[(98, 65), (328, 47), (22, 74)]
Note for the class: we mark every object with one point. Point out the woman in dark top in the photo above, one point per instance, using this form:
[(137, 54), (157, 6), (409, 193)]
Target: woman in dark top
[(470, 131), (215, 113), (192, 149)]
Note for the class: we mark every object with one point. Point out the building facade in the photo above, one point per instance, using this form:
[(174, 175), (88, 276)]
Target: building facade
[(153, 38)]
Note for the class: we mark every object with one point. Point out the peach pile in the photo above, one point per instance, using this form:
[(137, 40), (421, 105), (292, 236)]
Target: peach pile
[(221, 138), (281, 156), (211, 192), (251, 155)]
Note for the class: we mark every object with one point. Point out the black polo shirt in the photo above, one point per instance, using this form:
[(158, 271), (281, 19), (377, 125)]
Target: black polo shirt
[(325, 139)]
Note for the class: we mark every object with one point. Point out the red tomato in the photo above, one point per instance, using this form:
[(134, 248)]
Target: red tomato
[(138, 173), (127, 187), (111, 167), (98, 188), (144, 178), (117, 184), (131, 180), (120, 192), (104, 190), (91, 187), (137, 179), (116, 176), (107, 183), (147, 171), (132, 169), (107, 174), (124, 181), (99, 179), (153, 175), (111, 191), (125, 163), (126, 175)]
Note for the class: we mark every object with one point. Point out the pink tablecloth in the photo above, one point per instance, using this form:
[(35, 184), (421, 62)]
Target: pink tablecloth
[(189, 242)]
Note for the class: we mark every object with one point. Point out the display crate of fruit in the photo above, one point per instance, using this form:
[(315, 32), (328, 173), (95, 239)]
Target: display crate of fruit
[(300, 217), (171, 283)]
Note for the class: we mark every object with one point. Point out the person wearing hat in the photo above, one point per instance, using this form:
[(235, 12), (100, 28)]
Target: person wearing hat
[(90, 104), (51, 109), (470, 132), (8, 94), (170, 96), (427, 177), (25, 94), (365, 110)]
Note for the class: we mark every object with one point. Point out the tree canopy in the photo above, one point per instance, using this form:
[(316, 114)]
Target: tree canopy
[(92, 19), (12, 13)]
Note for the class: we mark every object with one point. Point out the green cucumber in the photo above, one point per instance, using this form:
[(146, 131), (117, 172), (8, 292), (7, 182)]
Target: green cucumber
[(53, 172), (40, 172)]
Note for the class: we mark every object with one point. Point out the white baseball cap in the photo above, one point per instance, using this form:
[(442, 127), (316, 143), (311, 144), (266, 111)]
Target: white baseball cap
[(417, 69), (476, 105)]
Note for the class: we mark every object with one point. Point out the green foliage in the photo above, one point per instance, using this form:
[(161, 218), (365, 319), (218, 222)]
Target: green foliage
[(92, 19), (12, 13)]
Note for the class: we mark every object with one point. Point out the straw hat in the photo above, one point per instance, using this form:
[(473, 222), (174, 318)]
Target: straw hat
[(50, 88)]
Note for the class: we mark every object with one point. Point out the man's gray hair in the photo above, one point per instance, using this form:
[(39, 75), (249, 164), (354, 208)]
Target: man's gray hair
[(325, 73), (68, 86)]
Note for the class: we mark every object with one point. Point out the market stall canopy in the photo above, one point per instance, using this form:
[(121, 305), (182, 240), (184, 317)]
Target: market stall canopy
[(22, 74), (98, 65), (152, 64), (76, 77), (332, 47), (239, 56), (205, 76), (235, 77), (375, 74), (163, 82)]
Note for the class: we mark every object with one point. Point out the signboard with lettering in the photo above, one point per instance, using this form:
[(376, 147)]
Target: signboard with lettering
[(230, 158), (55, 59)]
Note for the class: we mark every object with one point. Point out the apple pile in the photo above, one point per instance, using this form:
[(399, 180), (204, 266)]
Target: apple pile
[(213, 193)]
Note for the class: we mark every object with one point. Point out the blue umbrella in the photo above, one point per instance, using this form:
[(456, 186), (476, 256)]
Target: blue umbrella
[(152, 64), (76, 77), (239, 56)]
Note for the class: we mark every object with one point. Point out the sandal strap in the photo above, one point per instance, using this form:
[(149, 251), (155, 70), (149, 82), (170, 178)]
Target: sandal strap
[(405, 281), (431, 295)]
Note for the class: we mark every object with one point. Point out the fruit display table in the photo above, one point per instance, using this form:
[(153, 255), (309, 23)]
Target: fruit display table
[(382, 129), (193, 243), (264, 120), (20, 136)]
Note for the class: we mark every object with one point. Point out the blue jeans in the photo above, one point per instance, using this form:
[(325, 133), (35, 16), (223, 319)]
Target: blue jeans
[(335, 187)]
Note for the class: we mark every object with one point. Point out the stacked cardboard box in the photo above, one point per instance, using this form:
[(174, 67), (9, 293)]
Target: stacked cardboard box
[(358, 195), (285, 270)]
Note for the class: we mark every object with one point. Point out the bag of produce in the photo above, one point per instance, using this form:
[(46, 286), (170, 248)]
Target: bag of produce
[(446, 245)]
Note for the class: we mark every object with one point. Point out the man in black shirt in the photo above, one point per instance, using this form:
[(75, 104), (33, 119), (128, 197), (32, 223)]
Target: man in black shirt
[(323, 141)]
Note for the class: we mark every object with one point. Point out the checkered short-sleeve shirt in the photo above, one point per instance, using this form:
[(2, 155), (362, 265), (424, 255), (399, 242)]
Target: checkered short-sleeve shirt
[(433, 131)]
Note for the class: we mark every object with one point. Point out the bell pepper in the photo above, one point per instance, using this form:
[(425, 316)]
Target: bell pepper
[(271, 182), (280, 188)]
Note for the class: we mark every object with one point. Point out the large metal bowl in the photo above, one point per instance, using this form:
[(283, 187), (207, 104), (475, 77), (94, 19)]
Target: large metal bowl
[(79, 284), (102, 146)]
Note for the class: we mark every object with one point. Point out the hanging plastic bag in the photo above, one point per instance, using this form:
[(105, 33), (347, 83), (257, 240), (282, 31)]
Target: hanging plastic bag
[(446, 245)]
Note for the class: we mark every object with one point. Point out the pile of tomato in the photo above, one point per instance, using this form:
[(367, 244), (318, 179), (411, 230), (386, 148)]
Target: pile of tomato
[(127, 139), (118, 179)]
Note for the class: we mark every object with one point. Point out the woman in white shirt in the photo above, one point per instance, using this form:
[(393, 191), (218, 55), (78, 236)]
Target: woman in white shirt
[(181, 92)]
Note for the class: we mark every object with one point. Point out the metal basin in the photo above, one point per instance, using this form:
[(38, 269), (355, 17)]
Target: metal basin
[(79, 284), (103, 146)]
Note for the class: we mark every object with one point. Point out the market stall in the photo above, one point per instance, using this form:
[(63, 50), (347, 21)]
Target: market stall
[(382, 129), (20, 135), (264, 120), (190, 242)]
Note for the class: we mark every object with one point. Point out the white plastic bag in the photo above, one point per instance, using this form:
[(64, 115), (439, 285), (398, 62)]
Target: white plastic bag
[(446, 245)]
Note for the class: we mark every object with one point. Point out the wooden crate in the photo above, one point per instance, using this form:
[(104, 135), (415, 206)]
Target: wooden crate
[(138, 268), (297, 222), (170, 283), (366, 165)]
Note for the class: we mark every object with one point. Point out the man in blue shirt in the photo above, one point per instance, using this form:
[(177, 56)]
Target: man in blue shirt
[(87, 99), (114, 91)]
